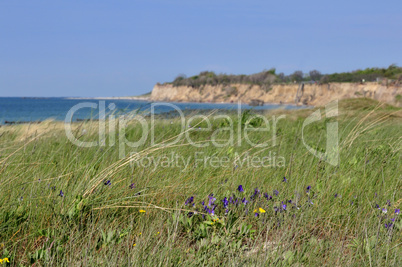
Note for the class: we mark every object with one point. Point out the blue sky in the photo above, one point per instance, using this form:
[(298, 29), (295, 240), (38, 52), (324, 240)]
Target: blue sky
[(120, 48)]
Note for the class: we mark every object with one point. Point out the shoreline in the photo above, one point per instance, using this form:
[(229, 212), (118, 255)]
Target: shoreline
[(110, 98), (184, 102)]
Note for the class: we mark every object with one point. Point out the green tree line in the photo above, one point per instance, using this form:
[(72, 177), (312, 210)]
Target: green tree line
[(269, 77)]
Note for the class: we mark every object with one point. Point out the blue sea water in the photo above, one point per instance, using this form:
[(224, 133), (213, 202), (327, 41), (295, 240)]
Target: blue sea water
[(20, 109)]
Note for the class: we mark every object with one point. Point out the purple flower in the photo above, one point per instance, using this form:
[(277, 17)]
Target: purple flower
[(210, 211), (132, 186), (308, 189), (389, 203), (377, 206), (211, 200), (244, 201), (225, 202), (336, 195), (240, 189), (256, 193), (256, 214), (108, 182), (397, 211), (384, 210), (61, 193), (284, 179), (268, 197), (387, 226), (283, 206), (189, 200), (231, 200), (276, 192)]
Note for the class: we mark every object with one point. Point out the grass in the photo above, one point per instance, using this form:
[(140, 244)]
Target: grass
[(61, 204)]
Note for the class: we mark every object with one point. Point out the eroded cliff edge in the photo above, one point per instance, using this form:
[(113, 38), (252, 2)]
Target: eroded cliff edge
[(308, 94)]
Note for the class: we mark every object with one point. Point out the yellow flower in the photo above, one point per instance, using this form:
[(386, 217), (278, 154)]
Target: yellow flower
[(142, 211), (4, 260), (134, 245), (261, 210)]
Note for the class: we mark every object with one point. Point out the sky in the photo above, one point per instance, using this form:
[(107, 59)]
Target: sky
[(123, 48)]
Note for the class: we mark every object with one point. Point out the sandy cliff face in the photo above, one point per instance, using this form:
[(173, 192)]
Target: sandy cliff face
[(312, 94)]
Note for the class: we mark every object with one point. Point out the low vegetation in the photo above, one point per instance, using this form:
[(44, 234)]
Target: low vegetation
[(61, 204), (269, 77)]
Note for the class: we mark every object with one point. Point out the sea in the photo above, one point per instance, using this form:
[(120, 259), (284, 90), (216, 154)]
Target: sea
[(31, 109)]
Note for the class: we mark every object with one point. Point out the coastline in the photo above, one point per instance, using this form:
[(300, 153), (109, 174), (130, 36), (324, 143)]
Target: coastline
[(183, 102), (111, 98)]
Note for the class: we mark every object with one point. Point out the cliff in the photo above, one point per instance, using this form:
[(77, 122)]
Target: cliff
[(309, 94)]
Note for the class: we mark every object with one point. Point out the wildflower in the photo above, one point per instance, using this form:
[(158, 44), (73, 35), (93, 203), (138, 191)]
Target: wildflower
[(240, 189), (384, 210), (377, 206), (225, 202), (308, 189), (387, 226), (284, 180), (397, 211), (142, 211), (244, 200), (108, 182), (4, 260), (261, 210), (190, 214), (132, 186), (276, 192), (61, 193), (256, 193), (189, 200), (134, 245), (283, 206), (256, 214), (336, 195), (268, 197), (211, 200), (210, 211)]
